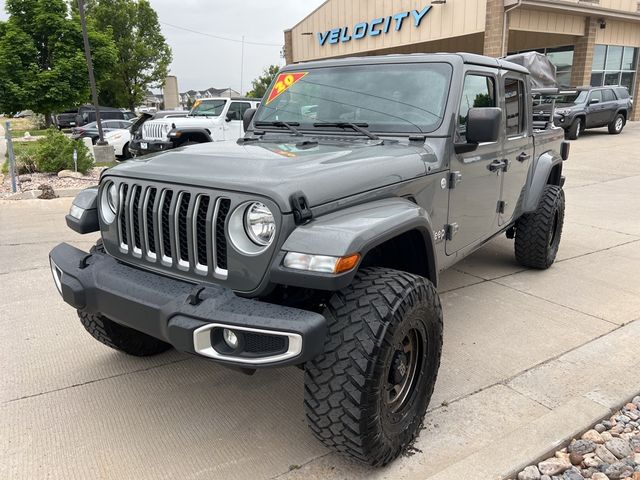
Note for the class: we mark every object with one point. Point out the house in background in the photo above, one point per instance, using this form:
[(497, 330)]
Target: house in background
[(187, 98)]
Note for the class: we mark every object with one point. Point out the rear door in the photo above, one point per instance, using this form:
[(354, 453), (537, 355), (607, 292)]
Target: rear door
[(610, 103), (472, 203), (518, 144)]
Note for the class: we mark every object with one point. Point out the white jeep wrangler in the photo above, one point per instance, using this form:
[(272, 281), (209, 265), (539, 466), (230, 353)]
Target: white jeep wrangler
[(210, 120)]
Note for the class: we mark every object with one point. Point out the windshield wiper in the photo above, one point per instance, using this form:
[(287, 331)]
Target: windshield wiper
[(358, 127), (290, 125)]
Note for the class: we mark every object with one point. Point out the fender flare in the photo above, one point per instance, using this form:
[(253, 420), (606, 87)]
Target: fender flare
[(540, 178), (356, 229), (176, 134)]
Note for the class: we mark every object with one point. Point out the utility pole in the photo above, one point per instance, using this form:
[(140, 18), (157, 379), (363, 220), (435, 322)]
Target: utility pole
[(92, 80), (242, 66)]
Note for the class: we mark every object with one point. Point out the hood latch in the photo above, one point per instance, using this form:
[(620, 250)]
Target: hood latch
[(300, 207)]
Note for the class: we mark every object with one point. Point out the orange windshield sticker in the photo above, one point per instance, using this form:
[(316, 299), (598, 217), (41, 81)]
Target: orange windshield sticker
[(283, 83)]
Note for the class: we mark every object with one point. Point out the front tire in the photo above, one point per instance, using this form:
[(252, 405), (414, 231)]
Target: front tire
[(575, 130), (538, 233), (367, 394), (121, 338), (617, 124)]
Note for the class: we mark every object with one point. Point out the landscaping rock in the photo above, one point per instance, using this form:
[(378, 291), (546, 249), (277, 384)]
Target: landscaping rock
[(593, 436), (582, 446), (47, 192), (553, 466), (599, 476), (618, 470), (69, 174), (576, 458), (529, 473), (599, 428), (572, 474), (619, 447)]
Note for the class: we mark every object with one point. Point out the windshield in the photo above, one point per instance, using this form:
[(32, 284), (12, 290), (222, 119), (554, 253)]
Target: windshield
[(388, 98), (208, 108)]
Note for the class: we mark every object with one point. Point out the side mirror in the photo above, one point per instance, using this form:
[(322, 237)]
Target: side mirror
[(593, 100), (228, 117), (483, 125), (248, 117)]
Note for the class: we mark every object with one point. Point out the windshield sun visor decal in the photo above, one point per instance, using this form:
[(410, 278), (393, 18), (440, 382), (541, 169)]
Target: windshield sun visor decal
[(283, 83)]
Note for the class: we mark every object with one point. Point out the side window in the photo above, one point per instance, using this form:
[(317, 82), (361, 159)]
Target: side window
[(514, 106), (478, 91), (608, 96), (237, 109), (595, 95)]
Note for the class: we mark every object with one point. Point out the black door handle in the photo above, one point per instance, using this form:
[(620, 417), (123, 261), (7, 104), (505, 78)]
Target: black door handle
[(523, 157), (497, 165)]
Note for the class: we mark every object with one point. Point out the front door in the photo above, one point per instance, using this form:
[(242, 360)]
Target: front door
[(233, 128), (595, 109), (472, 203), (518, 145)]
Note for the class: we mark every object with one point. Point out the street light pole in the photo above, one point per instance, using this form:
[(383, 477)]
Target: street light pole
[(92, 80)]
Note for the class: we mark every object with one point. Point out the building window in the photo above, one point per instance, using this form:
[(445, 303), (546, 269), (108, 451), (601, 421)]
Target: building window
[(614, 65)]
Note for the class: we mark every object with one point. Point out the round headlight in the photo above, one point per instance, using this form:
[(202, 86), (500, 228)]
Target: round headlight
[(112, 197), (259, 224), (109, 202)]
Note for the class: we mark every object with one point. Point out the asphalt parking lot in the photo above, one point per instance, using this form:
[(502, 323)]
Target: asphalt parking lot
[(519, 346)]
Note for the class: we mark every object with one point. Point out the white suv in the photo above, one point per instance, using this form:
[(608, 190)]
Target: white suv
[(210, 120)]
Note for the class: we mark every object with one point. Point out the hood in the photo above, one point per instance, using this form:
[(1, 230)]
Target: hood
[(188, 121), (323, 172)]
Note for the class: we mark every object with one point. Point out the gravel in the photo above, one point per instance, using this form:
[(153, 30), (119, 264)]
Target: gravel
[(609, 451), (33, 181)]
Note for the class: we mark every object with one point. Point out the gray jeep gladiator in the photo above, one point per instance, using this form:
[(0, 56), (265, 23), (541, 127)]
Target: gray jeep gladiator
[(317, 239)]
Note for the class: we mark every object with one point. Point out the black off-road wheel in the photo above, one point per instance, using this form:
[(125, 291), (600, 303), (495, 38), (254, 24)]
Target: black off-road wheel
[(576, 129), (617, 124), (367, 394), (121, 338), (538, 233)]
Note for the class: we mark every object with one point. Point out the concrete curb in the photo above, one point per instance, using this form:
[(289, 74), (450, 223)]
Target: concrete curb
[(31, 194), (541, 438)]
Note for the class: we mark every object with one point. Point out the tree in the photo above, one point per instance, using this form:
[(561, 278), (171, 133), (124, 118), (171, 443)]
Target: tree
[(259, 85), (143, 54), (42, 63)]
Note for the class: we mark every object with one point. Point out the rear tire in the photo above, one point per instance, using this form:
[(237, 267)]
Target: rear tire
[(121, 338), (617, 124), (367, 394), (538, 233), (575, 130)]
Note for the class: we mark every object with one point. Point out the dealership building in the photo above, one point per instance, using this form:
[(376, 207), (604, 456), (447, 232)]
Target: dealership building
[(591, 42)]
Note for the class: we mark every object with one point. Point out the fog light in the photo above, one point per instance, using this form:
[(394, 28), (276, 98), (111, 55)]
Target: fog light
[(57, 275), (230, 338)]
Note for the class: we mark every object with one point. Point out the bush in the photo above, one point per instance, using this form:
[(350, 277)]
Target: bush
[(25, 158), (55, 152)]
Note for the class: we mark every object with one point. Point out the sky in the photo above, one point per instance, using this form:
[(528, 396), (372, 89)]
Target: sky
[(201, 61)]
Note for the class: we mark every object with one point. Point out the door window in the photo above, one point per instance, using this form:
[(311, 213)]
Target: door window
[(608, 96), (596, 95), (514, 106), (479, 91), (237, 109)]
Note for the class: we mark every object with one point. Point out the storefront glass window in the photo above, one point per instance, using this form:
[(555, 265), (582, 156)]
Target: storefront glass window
[(614, 65)]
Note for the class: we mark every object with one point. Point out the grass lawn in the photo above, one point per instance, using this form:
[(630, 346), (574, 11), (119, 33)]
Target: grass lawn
[(16, 134)]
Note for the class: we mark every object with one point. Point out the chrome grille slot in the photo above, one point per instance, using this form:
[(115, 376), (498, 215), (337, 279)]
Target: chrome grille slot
[(174, 228)]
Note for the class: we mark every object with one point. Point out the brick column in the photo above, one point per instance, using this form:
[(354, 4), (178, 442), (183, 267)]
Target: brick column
[(635, 114), (288, 47), (583, 55), (494, 28)]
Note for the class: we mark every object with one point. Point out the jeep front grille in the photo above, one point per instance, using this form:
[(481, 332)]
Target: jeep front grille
[(176, 228), (153, 131)]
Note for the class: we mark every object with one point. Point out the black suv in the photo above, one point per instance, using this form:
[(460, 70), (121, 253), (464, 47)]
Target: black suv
[(590, 107)]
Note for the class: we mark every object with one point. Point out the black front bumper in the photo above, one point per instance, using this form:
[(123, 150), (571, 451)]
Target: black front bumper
[(180, 313), (153, 146)]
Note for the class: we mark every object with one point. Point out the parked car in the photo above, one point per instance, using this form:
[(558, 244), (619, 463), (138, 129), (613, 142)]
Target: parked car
[(592, 107), (317, 239), (119, 139), (66, 119), (210, 120), (136, 133), (87, 114), (90, 130)]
